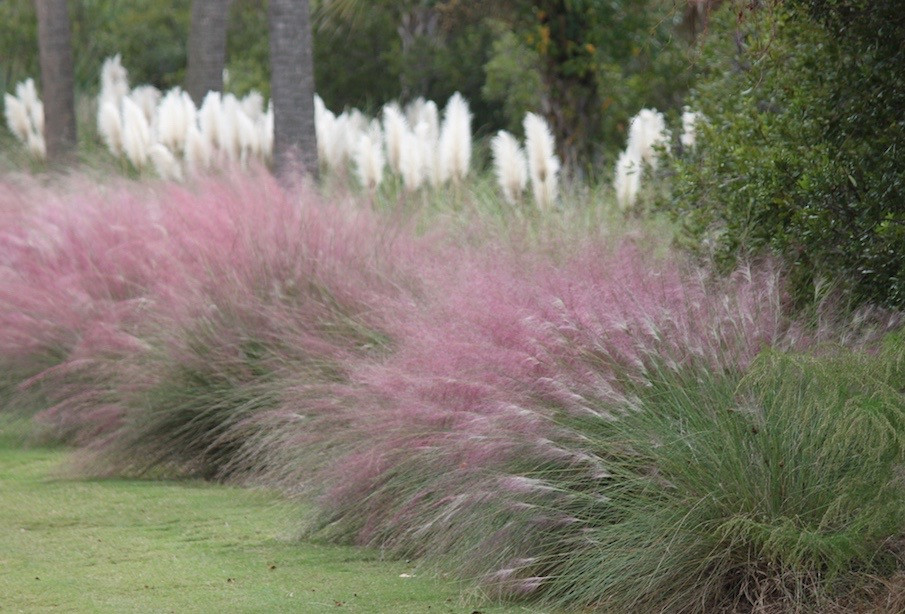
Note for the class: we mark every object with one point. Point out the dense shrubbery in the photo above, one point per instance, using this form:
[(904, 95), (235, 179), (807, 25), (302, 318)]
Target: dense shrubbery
[(802, 149)]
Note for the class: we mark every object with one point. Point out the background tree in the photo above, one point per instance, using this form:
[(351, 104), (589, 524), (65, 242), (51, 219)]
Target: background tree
[(206, 47), (292, 86), (55, 44)]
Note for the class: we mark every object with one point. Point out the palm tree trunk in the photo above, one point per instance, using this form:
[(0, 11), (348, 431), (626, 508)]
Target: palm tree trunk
[(292, 87), (57, 81), (207, 48)]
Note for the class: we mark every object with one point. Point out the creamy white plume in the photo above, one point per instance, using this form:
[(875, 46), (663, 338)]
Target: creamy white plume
[(510, 165), (543, 165)]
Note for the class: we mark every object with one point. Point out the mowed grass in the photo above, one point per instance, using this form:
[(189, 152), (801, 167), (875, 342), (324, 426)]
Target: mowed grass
[(147, 546)]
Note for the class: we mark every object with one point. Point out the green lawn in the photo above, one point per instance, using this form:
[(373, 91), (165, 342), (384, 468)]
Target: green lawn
[(145, 546)]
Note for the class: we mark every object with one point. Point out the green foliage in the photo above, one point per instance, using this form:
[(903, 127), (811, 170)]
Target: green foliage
[(513, 79), (18, 43), (776, 488), (358, 66), (801, 152), (603, 61)]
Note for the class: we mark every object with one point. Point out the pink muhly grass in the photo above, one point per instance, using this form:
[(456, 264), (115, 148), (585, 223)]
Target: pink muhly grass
[(287, 293), (482, 378), (78, 263)]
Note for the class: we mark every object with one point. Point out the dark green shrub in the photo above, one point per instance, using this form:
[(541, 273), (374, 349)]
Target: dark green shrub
[(804, 149)]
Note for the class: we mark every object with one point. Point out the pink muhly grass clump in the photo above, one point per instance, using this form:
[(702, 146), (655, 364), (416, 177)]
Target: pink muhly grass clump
[(78, 263), (481, 381), (289, 292)]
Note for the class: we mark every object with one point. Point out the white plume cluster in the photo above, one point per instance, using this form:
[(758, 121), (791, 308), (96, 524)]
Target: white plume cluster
[(420, 149), (647, 134), (165, 130), (25, 118), (410, 141)]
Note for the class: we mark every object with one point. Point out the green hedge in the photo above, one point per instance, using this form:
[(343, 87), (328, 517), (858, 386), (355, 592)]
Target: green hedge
[(804, 149)]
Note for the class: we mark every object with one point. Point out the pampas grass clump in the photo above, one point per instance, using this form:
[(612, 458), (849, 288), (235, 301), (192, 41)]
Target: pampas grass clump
[(177, 138)]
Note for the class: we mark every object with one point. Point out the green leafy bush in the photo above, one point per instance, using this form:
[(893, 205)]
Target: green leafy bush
[(803, 149)]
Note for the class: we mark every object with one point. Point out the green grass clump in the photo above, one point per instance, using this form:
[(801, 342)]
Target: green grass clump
[(774, 490)]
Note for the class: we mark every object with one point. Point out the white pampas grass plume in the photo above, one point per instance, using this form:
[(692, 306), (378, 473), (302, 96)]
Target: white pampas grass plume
[(209, 119), (247, 135), (198, 151), (165, 163), (28, 95), (647, 131), (411, 161), (17, 119), (510, 165), (430, 158), (173, 120), (114, 80), (424, 111), (25, 118), (337, 140), (228, 128), (358, 123), (413, 110), (543, 165), (146, 97), (690, 120), (431, 116), (455, 140), (395, 127), (628, 179), (369, 158), (110, 127), (136, 134), (253, 105)]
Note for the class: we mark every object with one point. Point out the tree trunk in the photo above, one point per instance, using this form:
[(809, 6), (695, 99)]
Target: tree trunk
[(292, 87), (57, 81), (207, 48)]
